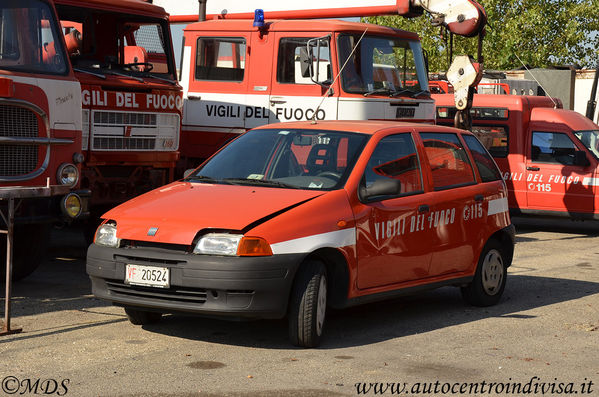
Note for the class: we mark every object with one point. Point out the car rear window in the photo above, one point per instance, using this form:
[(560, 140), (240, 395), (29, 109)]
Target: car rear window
[(486, 166), (448, 160)]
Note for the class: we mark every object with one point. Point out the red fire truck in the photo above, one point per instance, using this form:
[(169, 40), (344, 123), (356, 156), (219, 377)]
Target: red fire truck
[(549, 157), (40, 128), (238, 74), (122, 55)]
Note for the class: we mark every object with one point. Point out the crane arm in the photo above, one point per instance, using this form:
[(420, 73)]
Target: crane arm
[(462, 17)]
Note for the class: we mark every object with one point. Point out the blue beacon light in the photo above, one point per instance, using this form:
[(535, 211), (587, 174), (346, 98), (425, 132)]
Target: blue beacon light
[(259, 18)]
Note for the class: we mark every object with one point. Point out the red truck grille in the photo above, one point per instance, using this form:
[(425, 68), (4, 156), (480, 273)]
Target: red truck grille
[(18, 122)]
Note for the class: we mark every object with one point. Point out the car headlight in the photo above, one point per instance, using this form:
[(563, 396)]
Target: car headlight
[(106, 235), (232, 245), (67, 174)]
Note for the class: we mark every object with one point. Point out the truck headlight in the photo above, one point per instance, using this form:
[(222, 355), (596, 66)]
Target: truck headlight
[(232, 245), (71, 205), (106, 235), (67, 174)]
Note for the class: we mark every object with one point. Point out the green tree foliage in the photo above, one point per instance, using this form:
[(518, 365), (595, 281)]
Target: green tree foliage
[(540, 32)]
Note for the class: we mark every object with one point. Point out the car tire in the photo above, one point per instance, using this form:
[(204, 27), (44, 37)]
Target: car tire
[(142, 317), (30, 245), (489, 280), (307, 306)]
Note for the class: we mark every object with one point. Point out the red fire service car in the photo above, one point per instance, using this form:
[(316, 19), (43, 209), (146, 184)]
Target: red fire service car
[(292, 218)]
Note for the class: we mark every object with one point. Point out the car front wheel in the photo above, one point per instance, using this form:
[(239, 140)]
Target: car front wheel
[(308, 304)]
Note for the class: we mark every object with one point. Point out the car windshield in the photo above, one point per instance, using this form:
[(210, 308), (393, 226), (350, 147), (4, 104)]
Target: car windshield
[(285, 158), (382, 66), (135, 46), (590, 139), (29, 38)]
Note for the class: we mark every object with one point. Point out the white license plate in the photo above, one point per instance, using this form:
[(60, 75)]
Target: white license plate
[(150, 276)]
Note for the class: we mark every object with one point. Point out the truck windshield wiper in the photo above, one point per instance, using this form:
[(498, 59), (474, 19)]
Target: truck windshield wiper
[(112, 72), (264, 182), (401, 92), (146, 74), (420, 93), (378, 91), (97, 74)]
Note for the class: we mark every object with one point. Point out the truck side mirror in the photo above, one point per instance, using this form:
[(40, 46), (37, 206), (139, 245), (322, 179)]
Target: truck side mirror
[(305, 62), (380, 187), (580, 158)]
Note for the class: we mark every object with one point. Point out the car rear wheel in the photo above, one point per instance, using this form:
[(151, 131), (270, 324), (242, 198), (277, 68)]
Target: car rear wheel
[(489, 280), (142, 317), (308, 304)]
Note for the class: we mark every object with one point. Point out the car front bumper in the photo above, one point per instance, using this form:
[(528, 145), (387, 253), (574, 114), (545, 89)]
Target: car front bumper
[(254, 287)]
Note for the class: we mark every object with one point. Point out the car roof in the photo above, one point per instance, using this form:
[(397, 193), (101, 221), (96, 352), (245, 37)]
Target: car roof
[(368, 127)]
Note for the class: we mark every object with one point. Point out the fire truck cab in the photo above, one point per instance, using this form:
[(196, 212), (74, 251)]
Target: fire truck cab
[(549, 157), (236, 77), (122, 55)]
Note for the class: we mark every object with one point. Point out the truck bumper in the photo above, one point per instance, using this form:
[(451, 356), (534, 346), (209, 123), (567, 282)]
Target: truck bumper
[(253, 287)]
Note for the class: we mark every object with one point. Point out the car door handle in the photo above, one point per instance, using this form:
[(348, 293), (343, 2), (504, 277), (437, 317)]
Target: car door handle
[(277, 100), (424, 208), (194, 97), (479, 198), (533, 169)]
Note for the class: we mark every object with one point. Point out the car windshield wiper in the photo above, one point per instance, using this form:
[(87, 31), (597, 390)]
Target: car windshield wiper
[(204, 179), (263, 182)]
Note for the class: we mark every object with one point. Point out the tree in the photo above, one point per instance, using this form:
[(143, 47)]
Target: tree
[(540, 32)]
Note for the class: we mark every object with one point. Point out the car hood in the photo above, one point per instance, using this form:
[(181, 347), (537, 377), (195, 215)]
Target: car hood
[(181, 209)]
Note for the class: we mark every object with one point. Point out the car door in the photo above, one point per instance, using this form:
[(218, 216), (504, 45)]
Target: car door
[(391, 240), (456, 213)]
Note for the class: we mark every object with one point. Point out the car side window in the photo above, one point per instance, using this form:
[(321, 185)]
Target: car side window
[(486, 166), (395, 157), (447, 158), (220, 59), (553, 147)]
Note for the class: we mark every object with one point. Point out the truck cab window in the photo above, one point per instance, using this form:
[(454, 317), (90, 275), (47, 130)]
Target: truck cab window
[(220, 59), (552, 147), (30, 38), (395, 157), (447, 158), (289, 68)]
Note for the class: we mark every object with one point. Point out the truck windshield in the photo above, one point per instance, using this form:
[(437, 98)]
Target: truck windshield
[(382, 66), (590, 139), (296, 159), (29, 38), (111, 43)]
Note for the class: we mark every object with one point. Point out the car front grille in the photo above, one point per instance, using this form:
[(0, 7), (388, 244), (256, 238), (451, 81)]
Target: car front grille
[(173, 294)]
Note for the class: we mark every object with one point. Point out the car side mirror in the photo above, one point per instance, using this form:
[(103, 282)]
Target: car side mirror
[(380, 187), (581, 159), (188, 172)]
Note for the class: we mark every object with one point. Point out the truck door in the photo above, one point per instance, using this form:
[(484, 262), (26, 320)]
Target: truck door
[(295, 95), (558, 172), (392, 240), (216, 100)]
